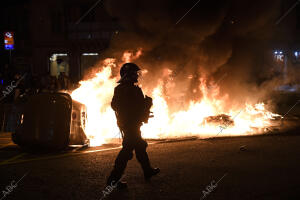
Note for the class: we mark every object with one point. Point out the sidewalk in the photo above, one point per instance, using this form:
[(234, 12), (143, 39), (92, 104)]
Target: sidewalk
[(5, 134)]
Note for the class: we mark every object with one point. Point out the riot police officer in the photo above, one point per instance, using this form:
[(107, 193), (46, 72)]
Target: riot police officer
[(132, 109)]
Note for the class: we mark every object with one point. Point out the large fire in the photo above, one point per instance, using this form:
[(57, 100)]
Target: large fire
[(204, 118)]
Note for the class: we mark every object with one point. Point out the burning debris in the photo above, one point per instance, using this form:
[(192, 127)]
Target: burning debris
[(243, 148), (219, 120)]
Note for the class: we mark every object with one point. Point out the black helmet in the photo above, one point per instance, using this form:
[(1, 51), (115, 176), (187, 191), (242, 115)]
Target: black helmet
[(127, 69)]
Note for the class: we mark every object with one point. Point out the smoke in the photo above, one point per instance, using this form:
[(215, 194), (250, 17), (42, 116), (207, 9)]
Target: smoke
[(213, 39)]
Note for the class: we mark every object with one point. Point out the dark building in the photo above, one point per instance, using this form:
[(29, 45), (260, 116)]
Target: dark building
[(286, 43), (54, 36)]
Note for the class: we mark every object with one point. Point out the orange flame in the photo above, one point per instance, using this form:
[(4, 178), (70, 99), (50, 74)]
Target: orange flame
[(96, 94)]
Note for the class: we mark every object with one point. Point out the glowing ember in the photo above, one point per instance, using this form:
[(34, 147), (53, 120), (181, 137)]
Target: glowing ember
[(205, 118)]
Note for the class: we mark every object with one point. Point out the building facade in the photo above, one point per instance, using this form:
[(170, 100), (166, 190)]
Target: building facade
[(286, 44), (54, 36)]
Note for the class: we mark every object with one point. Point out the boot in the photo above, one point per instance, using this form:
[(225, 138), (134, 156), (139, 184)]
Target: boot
[(150, 173)]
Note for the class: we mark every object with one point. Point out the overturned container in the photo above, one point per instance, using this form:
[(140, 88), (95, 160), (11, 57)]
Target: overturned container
[(51, 121)]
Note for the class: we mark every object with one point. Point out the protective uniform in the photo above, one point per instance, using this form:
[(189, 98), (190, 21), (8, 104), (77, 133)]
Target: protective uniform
[(130, 107)]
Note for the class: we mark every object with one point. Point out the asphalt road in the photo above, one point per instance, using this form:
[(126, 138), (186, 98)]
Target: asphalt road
[(256, 168)]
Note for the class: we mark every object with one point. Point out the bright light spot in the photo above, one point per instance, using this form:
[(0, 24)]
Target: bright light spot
[(60, 54), (90, 54), (54, 56)]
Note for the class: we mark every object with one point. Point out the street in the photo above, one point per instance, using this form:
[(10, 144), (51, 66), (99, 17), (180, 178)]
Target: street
[(212, 86), (258, 167)]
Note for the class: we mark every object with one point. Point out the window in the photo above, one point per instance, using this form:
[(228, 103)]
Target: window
[(59, 62), (88, 60)]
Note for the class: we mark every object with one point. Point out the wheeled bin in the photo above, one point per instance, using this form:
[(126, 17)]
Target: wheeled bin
[(51, 121)]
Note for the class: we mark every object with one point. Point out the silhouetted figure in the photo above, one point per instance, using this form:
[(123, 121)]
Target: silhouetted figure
[(63, 80), (132, 109)]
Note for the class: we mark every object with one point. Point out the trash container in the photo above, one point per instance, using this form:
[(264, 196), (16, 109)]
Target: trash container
[(46, 122)]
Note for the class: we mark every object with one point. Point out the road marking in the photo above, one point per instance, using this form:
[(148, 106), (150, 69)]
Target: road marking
[(12, 159), (7, 162), (93, 151), (76, 153)]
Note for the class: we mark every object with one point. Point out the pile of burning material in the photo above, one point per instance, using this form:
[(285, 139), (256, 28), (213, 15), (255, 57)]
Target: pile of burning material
[(219, 120)]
